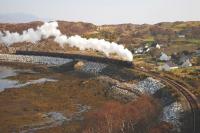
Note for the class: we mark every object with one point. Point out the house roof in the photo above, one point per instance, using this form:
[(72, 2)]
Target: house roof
[(171, 64)]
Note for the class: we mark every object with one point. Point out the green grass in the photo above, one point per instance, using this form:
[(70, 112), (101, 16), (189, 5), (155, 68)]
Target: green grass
[(195, 41), (180, 47), (182, 26), (149, 39)]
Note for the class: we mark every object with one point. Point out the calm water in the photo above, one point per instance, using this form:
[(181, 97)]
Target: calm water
[(6, 72)]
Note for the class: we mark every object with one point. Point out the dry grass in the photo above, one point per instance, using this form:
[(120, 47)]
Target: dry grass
[(21, 107)]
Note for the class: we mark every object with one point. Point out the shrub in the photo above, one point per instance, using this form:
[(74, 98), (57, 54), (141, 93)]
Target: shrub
[(114, 117)]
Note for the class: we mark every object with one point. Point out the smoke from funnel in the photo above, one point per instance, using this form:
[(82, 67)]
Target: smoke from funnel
[(51, 30), (31, 35)]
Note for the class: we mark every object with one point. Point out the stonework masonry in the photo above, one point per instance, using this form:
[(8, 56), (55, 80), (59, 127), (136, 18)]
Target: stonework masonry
[(34, 59)]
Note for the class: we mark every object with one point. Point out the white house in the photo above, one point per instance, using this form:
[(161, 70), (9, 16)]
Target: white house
[(148, 49), (140, 50), (164, 57), (157, 46), (181, 36), (187, 63), (167, 66)]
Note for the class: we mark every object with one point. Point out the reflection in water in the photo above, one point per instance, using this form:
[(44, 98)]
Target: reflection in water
[(6, 72), (4, 84)]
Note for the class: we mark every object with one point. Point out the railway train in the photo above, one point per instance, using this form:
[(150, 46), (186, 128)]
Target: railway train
[(105, 60)]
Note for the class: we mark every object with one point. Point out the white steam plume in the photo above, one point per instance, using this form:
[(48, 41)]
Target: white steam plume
[(31, 35), (51, 30)]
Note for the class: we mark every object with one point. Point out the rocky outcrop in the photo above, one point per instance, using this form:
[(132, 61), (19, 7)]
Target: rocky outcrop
[(93, 67), (118, 90), (3, 48), (149, 86), (79, 65), (90, 67), (125, 91)]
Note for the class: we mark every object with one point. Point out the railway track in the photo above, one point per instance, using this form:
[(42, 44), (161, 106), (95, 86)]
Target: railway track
[(192, 100)]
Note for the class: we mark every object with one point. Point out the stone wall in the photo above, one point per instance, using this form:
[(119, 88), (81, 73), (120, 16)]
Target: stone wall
[(93, 67), (34, 59)]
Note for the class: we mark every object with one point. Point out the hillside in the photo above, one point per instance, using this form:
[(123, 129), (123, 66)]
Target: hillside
[(131, 35)]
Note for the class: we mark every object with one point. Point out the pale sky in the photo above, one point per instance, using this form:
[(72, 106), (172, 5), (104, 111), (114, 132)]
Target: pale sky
[(107, 11)]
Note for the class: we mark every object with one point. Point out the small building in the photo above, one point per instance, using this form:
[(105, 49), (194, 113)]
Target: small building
[(139, 50), (148, 49), (187, 63), (146, 46), (181, 36), (157, 46), (183, 59), (168, 66), (164, 57)]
